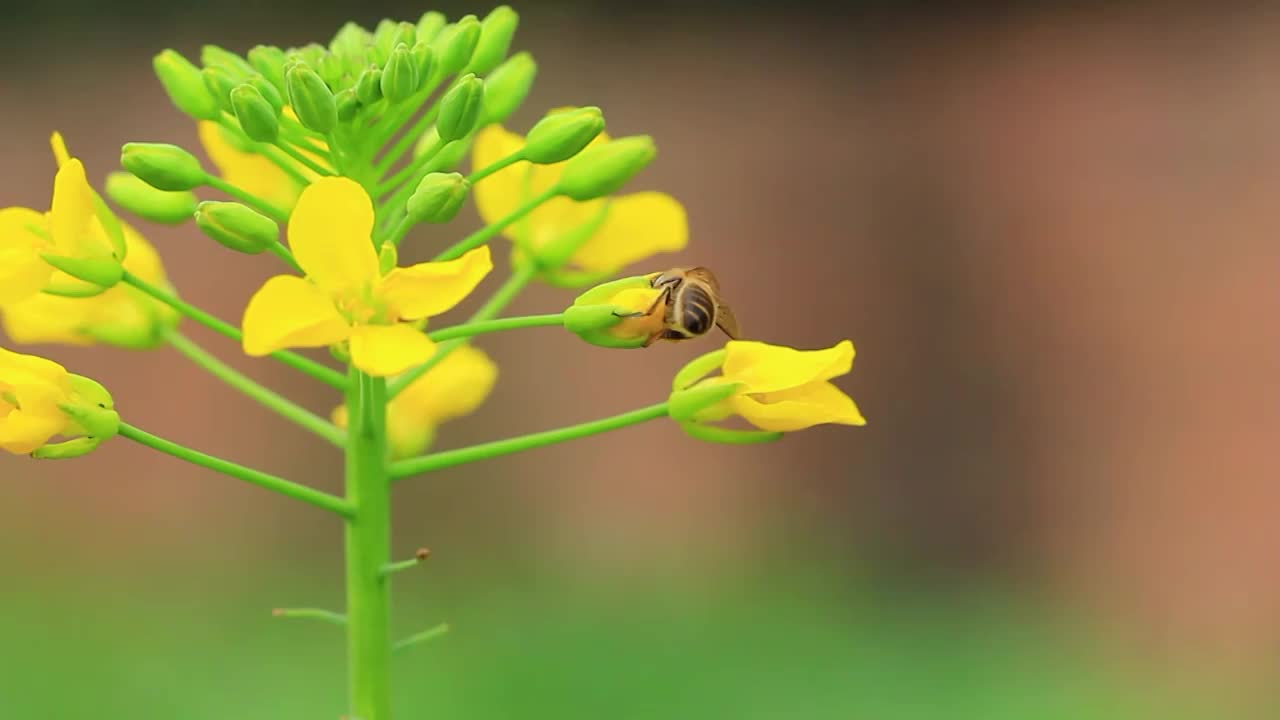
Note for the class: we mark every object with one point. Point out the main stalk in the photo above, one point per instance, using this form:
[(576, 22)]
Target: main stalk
[(368, 548)]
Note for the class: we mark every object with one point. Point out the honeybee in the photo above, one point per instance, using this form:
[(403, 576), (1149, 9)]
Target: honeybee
[(687, 307)]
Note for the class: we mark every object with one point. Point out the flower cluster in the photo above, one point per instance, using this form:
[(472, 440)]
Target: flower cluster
[(328, 157)]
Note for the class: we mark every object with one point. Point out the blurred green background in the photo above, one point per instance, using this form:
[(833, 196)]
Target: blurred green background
[(1049, 230)]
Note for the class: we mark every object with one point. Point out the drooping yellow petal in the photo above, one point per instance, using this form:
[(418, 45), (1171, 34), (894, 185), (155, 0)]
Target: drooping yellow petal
[(71, 216), (21, 432), (500, 193), (291, 312), (553, 220), (329, 233), (18, 369), (45, 318), (431, 288), (455, 387), (798, 408), (636, 227), (22, 272), (763, 368), (250, 171), (385, 350), (59, 147)]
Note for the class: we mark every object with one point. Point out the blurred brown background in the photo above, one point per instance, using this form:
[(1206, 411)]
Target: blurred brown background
[(1049, 232)]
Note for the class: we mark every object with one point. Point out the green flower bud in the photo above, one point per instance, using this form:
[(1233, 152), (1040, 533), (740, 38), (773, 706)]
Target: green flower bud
[(457, 43), (424, 58), (438, 197), (311, 54), (269, 92), (269, 61), (496, 31), (506, 87), (384, 40), (163, 166), (348, 104), (430, 25), (460, 108), (94, 410), (311, 99), (257, 117), (406, 33), (331, 69), (597, 317), (139, 198), (237, 226), (561, 135), (104, 272), (400, 75), (369, 86), (449, 156), (221, 81), (211, 55), (185, 86), (350, 41), (601, 170)]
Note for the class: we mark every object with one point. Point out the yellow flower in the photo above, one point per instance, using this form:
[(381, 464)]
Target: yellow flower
[(618, 231), (345, 297), (40, 399), (77, 225), (455, 387), (780, 389), (123, 315), (247, 169)]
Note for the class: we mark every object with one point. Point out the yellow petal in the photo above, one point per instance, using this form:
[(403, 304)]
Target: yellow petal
[(17, 369), (22, 272), (552, 220), (22, 432), (291, 312), (45, 318), (141, 258), (384, 350), (250, 171), (59, 147), (329, 233), (71, 216), (431, 288), (636, 227), (455, 387), (500, 193), (761, 367), (798, 408)]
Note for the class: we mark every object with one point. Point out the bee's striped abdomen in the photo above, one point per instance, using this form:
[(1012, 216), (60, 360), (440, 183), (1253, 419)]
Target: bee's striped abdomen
[(697, 309)]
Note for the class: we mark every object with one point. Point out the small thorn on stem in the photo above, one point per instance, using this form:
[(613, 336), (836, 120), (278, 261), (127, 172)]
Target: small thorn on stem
[(311, 614), (419, 638), (417, 559)]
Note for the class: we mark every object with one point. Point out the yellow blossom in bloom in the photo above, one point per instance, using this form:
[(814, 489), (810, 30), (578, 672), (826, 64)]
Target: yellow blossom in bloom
[(780, 389), (619, 231), (345, 296), (122, 316), (77, 225), (249, 170), (458, 385)]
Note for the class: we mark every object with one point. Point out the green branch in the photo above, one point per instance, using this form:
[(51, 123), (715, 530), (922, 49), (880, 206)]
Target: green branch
[(484, 451), (325, 375), (485, 327), (264, 396), (503, 297), (280, 215), (226, 467)]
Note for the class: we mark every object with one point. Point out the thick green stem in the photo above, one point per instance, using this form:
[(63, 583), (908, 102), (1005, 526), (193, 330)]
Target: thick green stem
[(500, 300), (226, 467), (484, 327), (484, 451), (368, 549), (480, 237), (265, 396), (325, 375)]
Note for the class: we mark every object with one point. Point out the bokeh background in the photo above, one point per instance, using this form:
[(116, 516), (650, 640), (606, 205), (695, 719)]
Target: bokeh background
[(1049, 228)]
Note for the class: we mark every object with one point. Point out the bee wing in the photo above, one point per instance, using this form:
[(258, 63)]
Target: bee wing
[(727, 322), (704, 275)]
